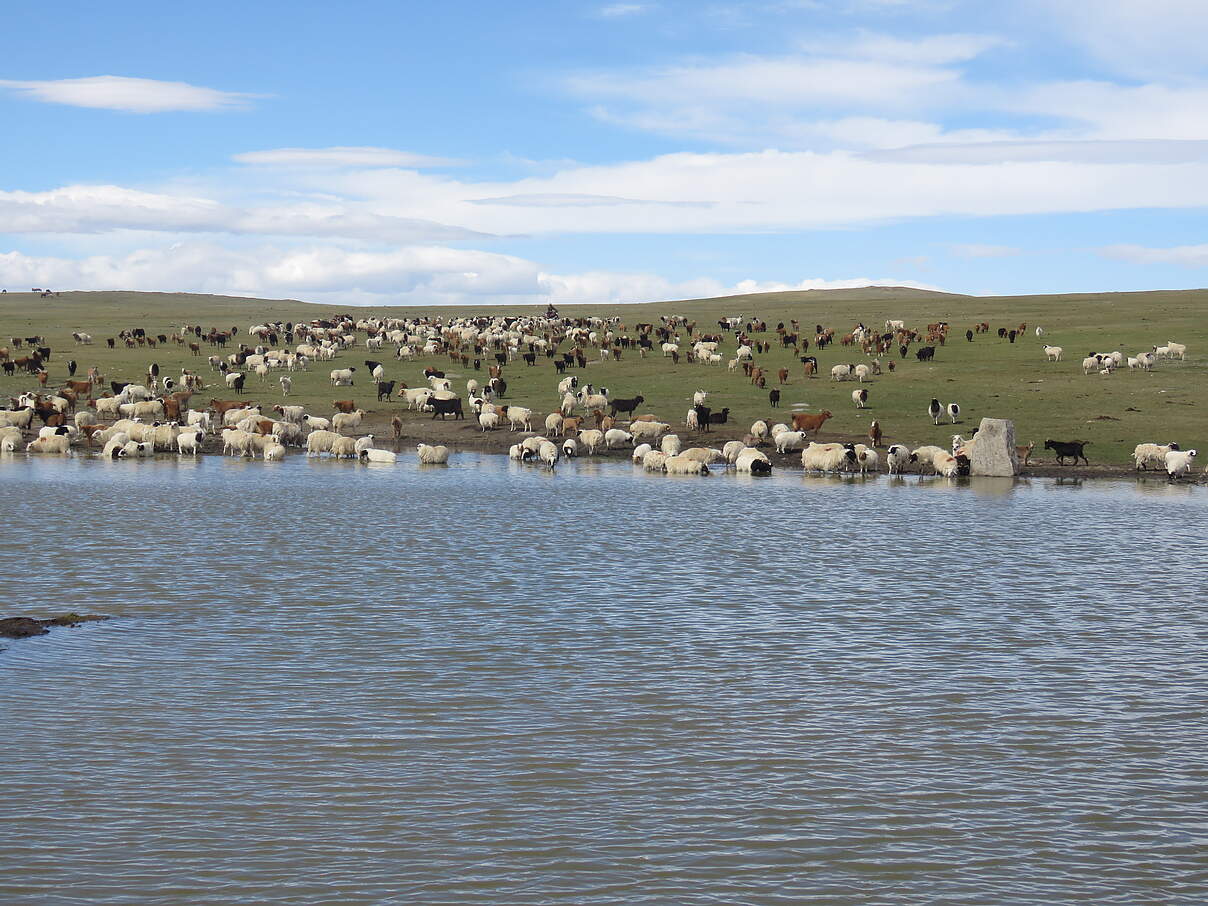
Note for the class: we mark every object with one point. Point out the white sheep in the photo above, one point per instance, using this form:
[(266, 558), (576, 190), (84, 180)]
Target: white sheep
[(699, 397), (706, 455), (731, 450), (548, 454), (532, 444), (315, 423), (1176, 350), (1053, 353), (897, 459), (867, 459), (519, 417), (363, 443), (197, 419), (342, 377), (417, 398), (347, 420), (553, 423), (317, 442), (615, 437), (925, 455), (826, 457), (954, 411), (343, 447), (684, 465), (859, 397), (190, 441), (1178, 463), (789, 440), (639, 453), (1146, 456), (287, 384), (136, 450), (488, 421), (841, 372), (862, 372), (759, 431), (654, 461), (1089, 364), (670, 444), (57, 443), (692, 420), (372, 454), (274, 453), (432, 455), (648, 429), (753, 461), (590, 439), (115, 448)]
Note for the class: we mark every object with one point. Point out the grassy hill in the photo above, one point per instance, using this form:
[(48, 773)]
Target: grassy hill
[(988, 377)]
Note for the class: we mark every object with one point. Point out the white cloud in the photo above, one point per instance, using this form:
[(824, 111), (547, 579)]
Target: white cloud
[(571, 200), (977, 250), (928, 49), (622, 10), (363, 157), (1154, 36), (128, 94), (1185, 255), (428, 275)]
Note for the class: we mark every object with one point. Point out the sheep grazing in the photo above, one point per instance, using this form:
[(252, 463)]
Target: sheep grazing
[(935, 410), (590, 439), (860, 397), (615, 437), (344, 447), (1178, 463), (897, 459), (519, 454), (684, 465), (1053, 353), (826, 457), (753, 461), (548, 454), (274, 453), (670, 444), (640, 451), (1146, 456), (432, 455)]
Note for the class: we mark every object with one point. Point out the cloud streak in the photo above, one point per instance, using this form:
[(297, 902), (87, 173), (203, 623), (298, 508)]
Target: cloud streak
[(129, 95)]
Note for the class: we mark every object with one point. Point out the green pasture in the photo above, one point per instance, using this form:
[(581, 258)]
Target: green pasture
[(988, 377)]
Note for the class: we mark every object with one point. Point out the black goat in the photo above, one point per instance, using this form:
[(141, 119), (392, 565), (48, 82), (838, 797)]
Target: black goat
[(627, 406), (1066, 449)]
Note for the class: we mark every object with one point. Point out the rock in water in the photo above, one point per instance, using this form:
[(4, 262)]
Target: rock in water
[(994, 451)]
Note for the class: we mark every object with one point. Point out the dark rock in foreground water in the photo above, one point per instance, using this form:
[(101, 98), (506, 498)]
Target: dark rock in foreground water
[(24, 627)]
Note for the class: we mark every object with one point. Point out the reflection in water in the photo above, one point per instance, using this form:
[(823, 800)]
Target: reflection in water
[(485, 683)]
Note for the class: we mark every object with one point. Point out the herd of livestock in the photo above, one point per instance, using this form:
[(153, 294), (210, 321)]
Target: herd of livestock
[(165, 414)]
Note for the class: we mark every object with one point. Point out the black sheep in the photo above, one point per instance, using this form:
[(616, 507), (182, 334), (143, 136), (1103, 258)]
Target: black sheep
[(774, 397)]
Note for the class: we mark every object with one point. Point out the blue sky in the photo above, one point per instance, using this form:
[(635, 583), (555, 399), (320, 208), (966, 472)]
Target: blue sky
[(409, 153)]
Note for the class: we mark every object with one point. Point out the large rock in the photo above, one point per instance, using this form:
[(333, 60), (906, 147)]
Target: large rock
[(994, 451)]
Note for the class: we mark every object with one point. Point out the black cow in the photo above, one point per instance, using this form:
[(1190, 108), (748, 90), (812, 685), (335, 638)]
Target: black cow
[(446, 407), (926, 354), (627, 406), (1067, 448), (385, 388)]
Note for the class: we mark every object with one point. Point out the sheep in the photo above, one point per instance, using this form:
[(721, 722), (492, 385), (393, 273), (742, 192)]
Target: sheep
[(195, 419), (164, 437), (114, 449), (432, 455), (670, 444), (287, 384), (488, 421), (190, 441), (237, 442), (372, 454), (342, 377), (518, 453), (699, 397), (363, 443), (567, 385), (518, 416), (417, 398), (1174, 349), (153, 409), (1089, 364), (777, 429), (57, 443), (1152, 455), (83, 418), (570, 448), (349, 420), (945, 464), (684, 465), (106, 407), (789, 440), (1053, 353), (897, 459), (867, 459), (759, 431), (648, 429), (925, 455), (615, 437), (859, 397), (654, 461), (826, 457), (862, 372), (591, 401), (954, 411), (136, 450), (692, 420), (669, 348), (568, 404), (935, 410), (640, 451), (841, 372), (532, 444), (234, 416), (548, 454), (1146, 360), (553, 423), (1178, 463), (344, 447), (754, 461), (315, 423), (319, 442), (591, 439), (704, 454), (274, 453), (731, 450)]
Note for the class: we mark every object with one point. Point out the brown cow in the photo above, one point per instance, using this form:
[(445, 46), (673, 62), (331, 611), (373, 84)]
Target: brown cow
[(803, 421), (344, 405), (221, 406), (78, 386), (783, 375)]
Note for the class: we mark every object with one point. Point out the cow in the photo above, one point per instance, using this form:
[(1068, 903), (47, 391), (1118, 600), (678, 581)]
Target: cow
[(446, 407), (804, 421)]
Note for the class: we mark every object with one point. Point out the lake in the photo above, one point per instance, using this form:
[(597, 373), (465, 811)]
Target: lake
[(483, 683)]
